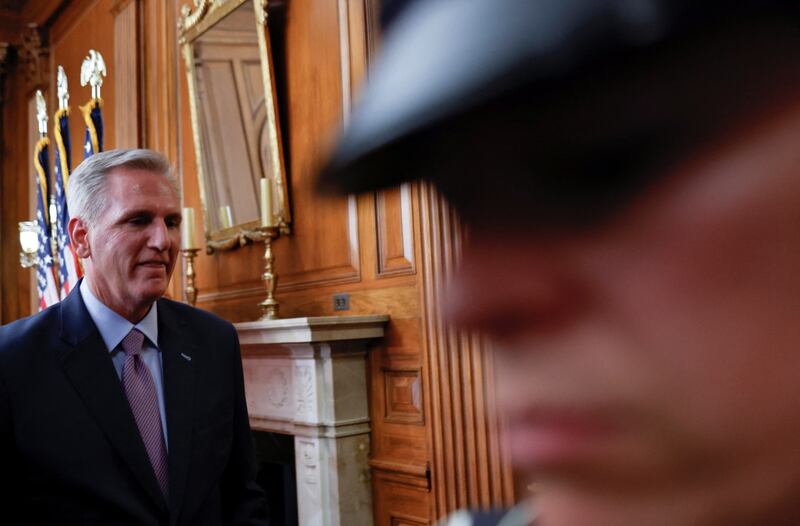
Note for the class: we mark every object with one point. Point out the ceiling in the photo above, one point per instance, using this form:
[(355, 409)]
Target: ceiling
[(17, 15), (11, 5)]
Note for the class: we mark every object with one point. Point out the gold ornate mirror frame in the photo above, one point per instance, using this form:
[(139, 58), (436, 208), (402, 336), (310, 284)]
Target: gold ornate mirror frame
[(193, 23)]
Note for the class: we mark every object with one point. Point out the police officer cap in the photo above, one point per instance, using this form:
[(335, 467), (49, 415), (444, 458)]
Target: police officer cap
[(579, 86)]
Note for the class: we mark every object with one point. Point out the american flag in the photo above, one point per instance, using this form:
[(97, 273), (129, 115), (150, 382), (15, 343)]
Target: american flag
[(93, 117), (45, 273), (69, 269)]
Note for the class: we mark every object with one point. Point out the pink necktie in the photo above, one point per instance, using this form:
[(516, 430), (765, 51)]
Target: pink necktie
[(142, 397)]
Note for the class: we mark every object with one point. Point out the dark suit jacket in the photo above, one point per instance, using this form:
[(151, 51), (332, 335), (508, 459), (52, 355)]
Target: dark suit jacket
[(70, 451)]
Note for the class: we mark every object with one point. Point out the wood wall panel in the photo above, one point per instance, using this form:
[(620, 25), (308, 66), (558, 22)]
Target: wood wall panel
[(127, 45), (394, 226), (403, 396), (399, 503), (162, 126), (358, 24), (324, 242), (325, 248)]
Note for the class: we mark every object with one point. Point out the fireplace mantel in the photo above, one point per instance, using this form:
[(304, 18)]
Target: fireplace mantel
[(311, 330), (306, 377)]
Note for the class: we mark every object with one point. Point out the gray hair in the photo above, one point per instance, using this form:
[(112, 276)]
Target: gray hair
[(86, 195)]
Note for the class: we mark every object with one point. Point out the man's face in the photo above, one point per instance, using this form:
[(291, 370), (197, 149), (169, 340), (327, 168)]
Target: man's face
[(649, 366), (132, 247)]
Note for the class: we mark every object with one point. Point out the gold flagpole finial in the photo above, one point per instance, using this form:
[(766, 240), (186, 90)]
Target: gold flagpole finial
[(63, 89), (93, 69), (41, 113)]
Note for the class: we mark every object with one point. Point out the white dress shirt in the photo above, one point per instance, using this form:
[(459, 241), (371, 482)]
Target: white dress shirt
[(113, 328)]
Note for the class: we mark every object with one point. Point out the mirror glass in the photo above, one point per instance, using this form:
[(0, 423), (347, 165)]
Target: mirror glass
[(236, 134)]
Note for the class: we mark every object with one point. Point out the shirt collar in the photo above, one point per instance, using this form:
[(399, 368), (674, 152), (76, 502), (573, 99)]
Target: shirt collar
[(113, 327)]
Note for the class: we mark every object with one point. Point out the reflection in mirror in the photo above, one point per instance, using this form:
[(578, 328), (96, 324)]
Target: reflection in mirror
[(226, 48), (228, 69)]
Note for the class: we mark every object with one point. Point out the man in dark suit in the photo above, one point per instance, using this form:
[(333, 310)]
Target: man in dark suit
[(118, 406), (629, 171)]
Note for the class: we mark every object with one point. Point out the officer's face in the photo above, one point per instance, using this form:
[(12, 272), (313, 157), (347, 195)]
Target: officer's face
[(653, 362)]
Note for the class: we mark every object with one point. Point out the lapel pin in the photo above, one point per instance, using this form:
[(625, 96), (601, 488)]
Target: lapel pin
[(186, 357)]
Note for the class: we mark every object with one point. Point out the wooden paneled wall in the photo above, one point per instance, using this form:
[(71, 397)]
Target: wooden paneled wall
[(15, 286), (434, 443)]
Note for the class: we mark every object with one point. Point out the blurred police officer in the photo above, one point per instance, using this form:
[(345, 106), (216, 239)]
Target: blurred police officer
[(629, 171)]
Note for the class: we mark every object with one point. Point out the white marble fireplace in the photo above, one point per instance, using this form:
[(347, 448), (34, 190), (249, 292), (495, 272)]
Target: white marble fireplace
[(306, 377)]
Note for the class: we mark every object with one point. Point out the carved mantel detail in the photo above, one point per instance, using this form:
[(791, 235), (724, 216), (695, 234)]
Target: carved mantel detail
[(33, 56), (277, 388)]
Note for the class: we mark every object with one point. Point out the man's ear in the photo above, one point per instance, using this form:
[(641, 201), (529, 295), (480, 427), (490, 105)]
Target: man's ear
[(79, 237)]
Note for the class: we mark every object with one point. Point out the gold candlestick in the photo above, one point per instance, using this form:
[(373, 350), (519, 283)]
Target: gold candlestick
[(190, 290), (269, 307)]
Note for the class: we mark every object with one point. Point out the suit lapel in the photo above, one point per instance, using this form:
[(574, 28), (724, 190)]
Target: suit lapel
[(87, 364), (177, 352)]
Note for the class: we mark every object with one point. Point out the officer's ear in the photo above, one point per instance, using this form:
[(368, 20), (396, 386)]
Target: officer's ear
[(79, 237)]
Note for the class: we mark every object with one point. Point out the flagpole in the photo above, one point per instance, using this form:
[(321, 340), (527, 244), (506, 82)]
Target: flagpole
[(69, 265), (47, 281), (93, 69)]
